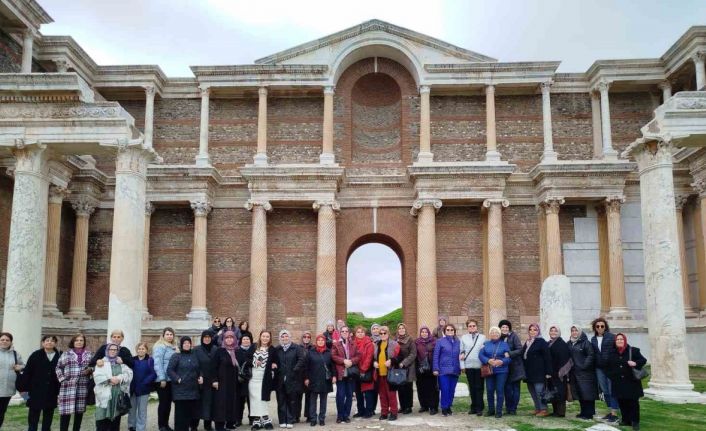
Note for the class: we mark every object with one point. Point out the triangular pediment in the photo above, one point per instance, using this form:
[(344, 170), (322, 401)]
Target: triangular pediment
[(326, 46)]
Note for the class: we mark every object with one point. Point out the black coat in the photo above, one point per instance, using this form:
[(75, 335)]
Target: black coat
[(123, 353), (560, 354), (607, 348), (244, 357), (184, 370), (268, 380), (584, 385), (517, 368), (620, 373), (290, 369), (226, 399), (316, 365), (204, 358), (538, 363), (39, 376)]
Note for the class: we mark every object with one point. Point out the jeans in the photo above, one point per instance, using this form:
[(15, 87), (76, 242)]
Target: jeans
[(495, 386), (138, 412), (164, 408), (344, 397), (604, 383), (536, 390), (321, 397), (447, 387), (512, 395), (33, 419), (475, 387)]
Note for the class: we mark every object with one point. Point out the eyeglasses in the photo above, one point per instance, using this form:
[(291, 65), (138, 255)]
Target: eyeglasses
[(383, 332), (449, 330), (471, 326), (307, 336)]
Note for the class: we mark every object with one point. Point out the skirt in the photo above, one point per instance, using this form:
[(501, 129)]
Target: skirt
[(258, 407)]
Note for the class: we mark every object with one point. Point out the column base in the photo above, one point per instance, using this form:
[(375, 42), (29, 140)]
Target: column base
[(674, 393), (203, 161), (198, 314), (260, 159), (610, 155), (492, 156), (77, 315), (619, 313), (550, 157), (691, 313), (146, 315), (425, 157), (52, 311), (327, 159)]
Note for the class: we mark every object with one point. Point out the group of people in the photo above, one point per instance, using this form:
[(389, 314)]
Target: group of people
[(228, 370)]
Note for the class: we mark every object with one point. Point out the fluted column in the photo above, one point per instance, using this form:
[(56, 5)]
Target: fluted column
[(257, 314), (680, 201), (149, 115), (260, 158), (549, 155), (27, 47), (149, 210), (666, 88), (618, 303), (425, 154), (554, 261), (699, 58), (492, 154), (203, 159), (608, 152), (326, 262), (700, 231), (84, 207), (497, 308), (27, 248), (603, 259), (327, 156), (596, 122), (56, 198), (427, 301), (198, 276)]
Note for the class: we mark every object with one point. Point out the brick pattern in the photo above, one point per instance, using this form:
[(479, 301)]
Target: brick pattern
[(66, 257), (572, 126), (6, 187), (458, 128), (377, 119), (10, 54), (100, 231), (521, 248), (628, 113)]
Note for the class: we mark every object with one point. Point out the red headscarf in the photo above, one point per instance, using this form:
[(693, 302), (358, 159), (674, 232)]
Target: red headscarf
[(320, 349), (625, 345)]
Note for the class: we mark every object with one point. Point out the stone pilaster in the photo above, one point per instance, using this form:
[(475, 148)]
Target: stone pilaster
[(679, 202), (700, 233), (618, 303), (56, 198), (427, 300), (425, 154), (603, 258), (492, 154), (666, 323), (327, 155), (203, 159), (84, 207), (198, 285), (495, 286), (257, 314), (27, 248), (27, 48), (608, 152), (554, 261), (548, 155), (149, 210), (326, 262), (149, 115), (666, 88), (261, 155), (698, 59), (596, 123)]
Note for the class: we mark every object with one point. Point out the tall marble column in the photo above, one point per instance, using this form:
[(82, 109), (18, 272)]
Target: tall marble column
[(596, 122), (203, 159), (327, 156), (666, 323), (492, 154), (666, 88), (198, 286), (700, 233), (425, 154), (427, 300), (257, 314), (261, 155), (84, 207), (680, 201), (149, 115), (27, 48), (497, 308), (27, 249), (149, 210), (56, 198), (554, 261), (127, 251), (603, 259), (608, 152), (326, 262), (699, 58), (618, 303), (548, 155)]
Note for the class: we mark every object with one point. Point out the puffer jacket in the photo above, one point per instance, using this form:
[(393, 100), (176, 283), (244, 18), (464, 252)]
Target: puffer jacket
[(584, 385), (184, 371), (446, 353), (496, 349), (162, 353), (7, 373)]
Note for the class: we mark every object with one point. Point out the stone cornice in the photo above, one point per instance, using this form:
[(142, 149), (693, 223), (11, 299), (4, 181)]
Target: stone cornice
[(680, 51), (580, 179), (28, 12), (525, 66), (43, 87)]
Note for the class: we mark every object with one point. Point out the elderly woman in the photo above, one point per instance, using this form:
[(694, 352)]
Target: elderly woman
[(185, 374), (538, 367), (384, 358), (319, 376), (626, 389), (40, 379), (517, 369), (291, 360), (584, 386), (204, 352), (408, 359), (447, 367), (307, 345), (10, 363), (112, 380), (495, 353), (72, 371), (344, 355), (427, 387), (561, 366)]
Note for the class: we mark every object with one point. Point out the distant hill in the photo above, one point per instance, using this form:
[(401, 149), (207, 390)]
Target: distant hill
[(390, 319)]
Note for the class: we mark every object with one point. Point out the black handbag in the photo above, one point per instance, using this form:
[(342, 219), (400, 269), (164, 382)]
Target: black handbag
[(423, 366), (123, 406), (367, 376), (244, 373), (550, 394), (397, 376), (637, 373), (352, 372)]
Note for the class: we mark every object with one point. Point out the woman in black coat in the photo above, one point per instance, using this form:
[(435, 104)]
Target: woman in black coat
[(561, 366), (584, 386), (39, 379), (225, 382), (538, 367), (185, 374), (626, 388), (319, 375), (244, 356), (204, 352)]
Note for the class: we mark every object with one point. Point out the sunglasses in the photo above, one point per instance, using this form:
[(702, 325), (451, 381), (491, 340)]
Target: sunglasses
[(600, 326), (450, 330), (383, 332), (306, 336)]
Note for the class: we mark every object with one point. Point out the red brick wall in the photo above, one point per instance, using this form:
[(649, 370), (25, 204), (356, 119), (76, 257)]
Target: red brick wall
[(100, 232), (66, 257), (6, 186), (628, 113), (376, 120), (458, 128)]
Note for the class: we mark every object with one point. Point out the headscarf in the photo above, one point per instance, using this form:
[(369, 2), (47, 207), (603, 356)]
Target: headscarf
[(285, 346), (230, 348), (303, 334), (422, 343), (439, 328), (320, 349), (183, 340), (578, 337), (209, 346), (552, 340), (530, 338), (402, 339), (625, 345), (111, 359), (373, 336)]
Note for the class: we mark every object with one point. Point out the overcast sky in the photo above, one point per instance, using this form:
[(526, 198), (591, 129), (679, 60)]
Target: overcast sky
[(374, 280), (178, 33)]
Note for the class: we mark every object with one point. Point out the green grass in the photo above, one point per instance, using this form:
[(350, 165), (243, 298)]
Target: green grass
[(391, 319)]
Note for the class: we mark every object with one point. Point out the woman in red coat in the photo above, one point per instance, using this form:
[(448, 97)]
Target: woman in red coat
[(364, 391), (344, 356)]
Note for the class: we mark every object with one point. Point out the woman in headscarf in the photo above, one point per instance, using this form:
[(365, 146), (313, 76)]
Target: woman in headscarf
[(163, 351), (516, 372), (72, 372), (561, 366), (226, 397), (628, 390), (584, 386), (112, 380), (447, 366), (408, 359), (244, 355), (427, 387), (41, 383), (291, 360), (185, 374), (307, 345), (11, 362), (441, 325), (204, 352), (331, 334), (319, 375), (345, 355), (538, 367), (364, 391)]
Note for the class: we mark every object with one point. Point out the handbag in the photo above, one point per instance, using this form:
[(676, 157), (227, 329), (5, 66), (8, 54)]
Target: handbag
[(569, 395), (352, 372), (637, 373), (550, 394), (123, 406), (486, 370), (21, 383), (244, 373), (397, 376), (367, 376), (423, 366)]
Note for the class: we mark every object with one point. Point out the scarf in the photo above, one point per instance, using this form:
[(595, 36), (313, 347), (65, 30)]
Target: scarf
[(230, 347), (402, 339), (625, 345), (111, 359), (320, 349), (79, 354), (422, 343), (374, 338), (209, 346), (181, 345), (558, 334), (531, 339), (578, 337)]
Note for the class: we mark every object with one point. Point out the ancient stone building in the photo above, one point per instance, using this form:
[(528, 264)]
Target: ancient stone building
[(133, 200)]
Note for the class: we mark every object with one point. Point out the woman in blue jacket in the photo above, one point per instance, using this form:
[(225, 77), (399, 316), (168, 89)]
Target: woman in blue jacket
[(446, 365), (142, 384), (495, 353)]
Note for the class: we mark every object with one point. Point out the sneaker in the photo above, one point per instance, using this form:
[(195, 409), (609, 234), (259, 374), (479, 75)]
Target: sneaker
[(612, 418), (290, 425), (392, 418), (383, 417), (283, 425)]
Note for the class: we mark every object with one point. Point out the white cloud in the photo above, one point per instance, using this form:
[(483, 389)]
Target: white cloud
[(374, 280)]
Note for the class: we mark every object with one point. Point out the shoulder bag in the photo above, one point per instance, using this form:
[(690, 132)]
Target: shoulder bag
[(397, 376), (123, 406), (486, 370), (637, 373)]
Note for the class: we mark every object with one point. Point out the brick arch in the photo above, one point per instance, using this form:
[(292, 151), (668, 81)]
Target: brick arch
[(343, 109)]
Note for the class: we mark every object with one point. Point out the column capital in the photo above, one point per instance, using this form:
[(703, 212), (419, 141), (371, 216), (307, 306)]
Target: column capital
[(201, 207), (262, 91), (329, 89), (57, 194), (30, 158), (420, 203), (149, 208), (424, 89), (251, 203), (29, 33), (150, 90), (700, 186), (650, 152), (613, 203), (132, 160), (62, 65), (602, 87), (552, 204), (546, 86), (504, 203), (665, 85), (332, 203), (490, 89), (205, 90), (680, 200), (698, 56), (84, 206)]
